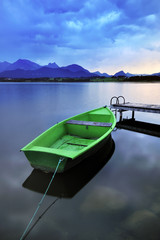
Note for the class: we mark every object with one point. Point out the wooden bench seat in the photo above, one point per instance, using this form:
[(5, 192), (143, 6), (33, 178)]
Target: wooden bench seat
[(89, 123)]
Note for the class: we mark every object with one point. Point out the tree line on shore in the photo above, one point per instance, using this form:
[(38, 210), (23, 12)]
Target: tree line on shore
[(148, 78)]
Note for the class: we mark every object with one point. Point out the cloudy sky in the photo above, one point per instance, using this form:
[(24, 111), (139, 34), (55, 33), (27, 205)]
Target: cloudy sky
[(104, 35)]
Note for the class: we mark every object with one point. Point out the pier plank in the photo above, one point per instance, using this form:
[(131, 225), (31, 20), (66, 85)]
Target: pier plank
[(137, 107)]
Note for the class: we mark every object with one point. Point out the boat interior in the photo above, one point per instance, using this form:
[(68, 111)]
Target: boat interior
[(77, 135)]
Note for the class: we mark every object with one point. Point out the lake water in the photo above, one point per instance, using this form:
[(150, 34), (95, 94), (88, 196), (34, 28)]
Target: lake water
[(120, 201)]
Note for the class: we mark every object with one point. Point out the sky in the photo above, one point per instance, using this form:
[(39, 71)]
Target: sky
[(100, 35)]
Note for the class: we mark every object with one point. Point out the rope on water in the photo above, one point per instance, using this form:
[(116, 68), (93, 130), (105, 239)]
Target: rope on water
[(31, 228), (40, 202)]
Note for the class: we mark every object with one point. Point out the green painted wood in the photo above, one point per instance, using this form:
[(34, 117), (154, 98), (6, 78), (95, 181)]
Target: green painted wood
[(59, 152), (70, 141)]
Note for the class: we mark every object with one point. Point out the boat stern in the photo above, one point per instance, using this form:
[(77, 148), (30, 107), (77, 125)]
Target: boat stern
[(46, 162)]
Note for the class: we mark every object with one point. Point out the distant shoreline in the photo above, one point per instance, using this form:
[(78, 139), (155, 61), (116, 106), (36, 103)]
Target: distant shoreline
[(137, 79)]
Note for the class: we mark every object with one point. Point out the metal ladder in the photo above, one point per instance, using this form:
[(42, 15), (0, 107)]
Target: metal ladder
[(117, 102)]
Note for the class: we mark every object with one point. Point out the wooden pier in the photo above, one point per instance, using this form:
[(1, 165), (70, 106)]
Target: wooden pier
[(138, 107), (131, 124)]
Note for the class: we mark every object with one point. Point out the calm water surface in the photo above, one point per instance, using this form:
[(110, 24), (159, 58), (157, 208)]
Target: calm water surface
[(122, 201)]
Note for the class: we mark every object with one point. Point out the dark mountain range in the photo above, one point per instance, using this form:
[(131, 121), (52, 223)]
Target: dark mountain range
[(23, 64), (120, 74), (102, 74), (130, 74), (52, 65), (45, 72), (4, 65), (156, 74), (75, 68), (23, 68), (123, 74)]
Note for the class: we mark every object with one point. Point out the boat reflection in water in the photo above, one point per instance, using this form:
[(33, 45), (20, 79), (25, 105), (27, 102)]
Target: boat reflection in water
[(69, 183)]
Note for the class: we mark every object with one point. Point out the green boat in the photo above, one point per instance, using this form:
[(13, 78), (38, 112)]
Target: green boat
[(71, 140)]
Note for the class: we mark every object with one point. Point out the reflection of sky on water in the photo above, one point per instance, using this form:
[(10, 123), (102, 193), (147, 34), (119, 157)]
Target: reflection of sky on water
[(96, 200), (121, 202), (143, 224), (138, 163), (127, 196)]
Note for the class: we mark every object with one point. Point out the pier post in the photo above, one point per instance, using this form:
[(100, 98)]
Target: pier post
[(120, 119)]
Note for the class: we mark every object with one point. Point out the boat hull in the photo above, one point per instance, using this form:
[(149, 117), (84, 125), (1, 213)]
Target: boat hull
[(47, 162)]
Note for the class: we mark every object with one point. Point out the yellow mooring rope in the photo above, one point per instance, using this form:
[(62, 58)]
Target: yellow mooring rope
[(40, 202)]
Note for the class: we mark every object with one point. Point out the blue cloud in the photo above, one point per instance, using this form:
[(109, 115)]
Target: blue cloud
[(41, 29)]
